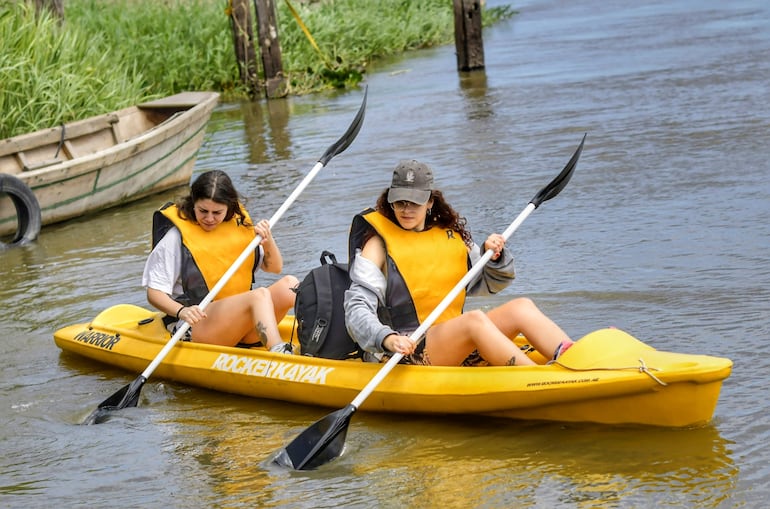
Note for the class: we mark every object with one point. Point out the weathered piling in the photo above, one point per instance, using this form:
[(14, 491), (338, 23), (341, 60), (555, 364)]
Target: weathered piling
[(468, 40), (270, 48), (243, 41)]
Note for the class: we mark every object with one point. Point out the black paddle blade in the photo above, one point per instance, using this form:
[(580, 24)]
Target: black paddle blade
[(344, 142), (561, 180), (320, 443), (127, 396)]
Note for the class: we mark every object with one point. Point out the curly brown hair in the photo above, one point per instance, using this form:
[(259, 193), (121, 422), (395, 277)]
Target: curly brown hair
[(441, 214)]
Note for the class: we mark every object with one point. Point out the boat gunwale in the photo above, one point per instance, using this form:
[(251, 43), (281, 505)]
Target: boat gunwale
[(178, 135), (126, 149)]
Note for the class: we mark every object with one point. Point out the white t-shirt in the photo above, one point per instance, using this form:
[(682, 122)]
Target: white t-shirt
[(163, 268)]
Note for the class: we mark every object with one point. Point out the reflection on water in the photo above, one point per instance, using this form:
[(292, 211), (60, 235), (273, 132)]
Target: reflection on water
[(440, 463), (574, 460), (474, 88), (266, 129), (505, 464)]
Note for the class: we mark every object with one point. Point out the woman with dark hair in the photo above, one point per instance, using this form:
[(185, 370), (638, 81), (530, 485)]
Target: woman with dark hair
[(195, 241), (406, 256)]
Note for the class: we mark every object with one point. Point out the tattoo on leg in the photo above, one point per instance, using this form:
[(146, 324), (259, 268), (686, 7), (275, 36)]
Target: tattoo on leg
[(262, 332)]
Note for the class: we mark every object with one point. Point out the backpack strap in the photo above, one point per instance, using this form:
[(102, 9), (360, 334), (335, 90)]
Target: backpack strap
[(328, 257), (323, 286)]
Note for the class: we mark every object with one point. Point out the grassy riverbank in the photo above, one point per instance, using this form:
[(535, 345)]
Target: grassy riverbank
[(110, 54)]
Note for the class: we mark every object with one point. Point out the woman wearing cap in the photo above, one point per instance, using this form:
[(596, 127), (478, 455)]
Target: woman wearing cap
[(406, 255), (194, 243)]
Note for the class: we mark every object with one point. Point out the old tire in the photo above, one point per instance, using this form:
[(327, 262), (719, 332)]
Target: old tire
[(27, 209)]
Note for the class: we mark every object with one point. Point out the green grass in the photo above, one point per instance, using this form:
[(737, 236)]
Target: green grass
[(50, 75), (112, 53)]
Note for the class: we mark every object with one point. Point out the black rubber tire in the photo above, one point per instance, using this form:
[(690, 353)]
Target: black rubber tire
[(27, 210)]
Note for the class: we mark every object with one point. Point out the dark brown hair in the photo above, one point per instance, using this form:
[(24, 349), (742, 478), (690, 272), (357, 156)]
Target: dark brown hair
[(441, 215), (216, 186)]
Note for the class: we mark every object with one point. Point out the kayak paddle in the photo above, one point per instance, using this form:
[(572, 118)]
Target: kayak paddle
[(128, 396), (324, 440)]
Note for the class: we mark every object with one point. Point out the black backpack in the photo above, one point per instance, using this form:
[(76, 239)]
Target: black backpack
[(320, 314)]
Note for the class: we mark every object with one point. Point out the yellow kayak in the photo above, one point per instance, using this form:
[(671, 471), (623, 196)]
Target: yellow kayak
[(608, 376)]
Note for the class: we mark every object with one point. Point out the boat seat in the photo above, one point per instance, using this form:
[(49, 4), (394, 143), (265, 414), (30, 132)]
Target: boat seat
[(54, 135), (61, 138), (27, 166)]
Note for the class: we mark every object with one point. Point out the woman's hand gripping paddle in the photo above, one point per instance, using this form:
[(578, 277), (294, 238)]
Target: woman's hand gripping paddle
[(128, 396), (325, 439)]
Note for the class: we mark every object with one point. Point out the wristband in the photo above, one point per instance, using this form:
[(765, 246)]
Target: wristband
[(180, 310)]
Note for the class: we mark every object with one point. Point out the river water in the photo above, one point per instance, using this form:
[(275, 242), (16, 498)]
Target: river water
[(663, 231)]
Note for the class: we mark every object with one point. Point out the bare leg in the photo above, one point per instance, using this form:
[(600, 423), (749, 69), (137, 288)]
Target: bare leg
[(283, 295), (249, 316), (450, 342), (521, 315), (265, 321)]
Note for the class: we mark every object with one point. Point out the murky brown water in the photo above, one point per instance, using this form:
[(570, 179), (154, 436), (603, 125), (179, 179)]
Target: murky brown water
[(663, 231)]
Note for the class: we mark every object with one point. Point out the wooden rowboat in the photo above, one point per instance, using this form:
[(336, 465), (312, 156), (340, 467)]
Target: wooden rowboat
[(88, 165), (606, 377)]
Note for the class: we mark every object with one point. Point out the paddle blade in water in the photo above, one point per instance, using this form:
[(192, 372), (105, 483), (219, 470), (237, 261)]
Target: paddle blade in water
[(128, 396), (320, 443), (98, 416)]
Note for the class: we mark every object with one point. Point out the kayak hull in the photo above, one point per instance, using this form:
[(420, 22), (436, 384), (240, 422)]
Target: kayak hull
[(606, 377)]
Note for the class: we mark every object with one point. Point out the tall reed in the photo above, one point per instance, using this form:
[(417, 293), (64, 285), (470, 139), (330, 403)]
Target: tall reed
[(112, 53), (51, 75)]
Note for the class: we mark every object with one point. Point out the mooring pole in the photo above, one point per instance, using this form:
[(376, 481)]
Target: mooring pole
[(270, 48), (243, 40), (468, 40)]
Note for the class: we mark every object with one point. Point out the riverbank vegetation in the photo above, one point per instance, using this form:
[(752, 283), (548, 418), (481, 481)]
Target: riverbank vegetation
[(111, 54)]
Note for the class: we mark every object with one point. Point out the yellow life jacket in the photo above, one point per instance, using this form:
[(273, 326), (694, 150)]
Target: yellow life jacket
[(207, 255), (422, 268)]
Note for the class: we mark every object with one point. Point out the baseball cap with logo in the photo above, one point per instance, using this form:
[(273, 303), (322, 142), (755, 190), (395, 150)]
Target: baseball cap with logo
[(412, 181)]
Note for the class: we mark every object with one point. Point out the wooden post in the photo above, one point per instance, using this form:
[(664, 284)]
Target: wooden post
[(243, 39), (55, 7), (468, 42), (270, 48)]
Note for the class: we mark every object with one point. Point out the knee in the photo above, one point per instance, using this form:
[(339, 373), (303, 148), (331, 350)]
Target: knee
[(284, 291), (521, 305), (288, 286), (290, 281), (476, 318), (524, 302), (260, 294), (285, 285), (476, 324)]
